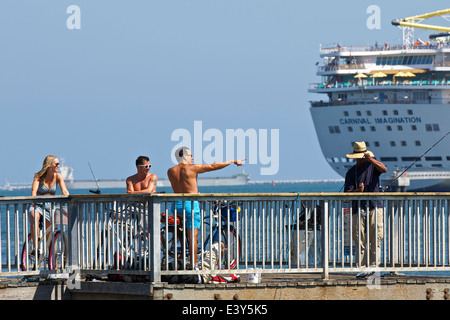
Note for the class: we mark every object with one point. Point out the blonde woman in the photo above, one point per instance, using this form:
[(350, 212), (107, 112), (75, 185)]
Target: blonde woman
[(44, 183)]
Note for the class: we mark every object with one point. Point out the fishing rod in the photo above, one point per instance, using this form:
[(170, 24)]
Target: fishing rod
[(98, 189), (416, 161)]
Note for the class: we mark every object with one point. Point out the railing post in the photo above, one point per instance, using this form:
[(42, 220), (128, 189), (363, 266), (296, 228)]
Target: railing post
[(73, 235), (325, 246), (154, 224)]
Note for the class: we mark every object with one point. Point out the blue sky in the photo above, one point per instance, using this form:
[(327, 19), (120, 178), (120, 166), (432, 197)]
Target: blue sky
[(138, 70)]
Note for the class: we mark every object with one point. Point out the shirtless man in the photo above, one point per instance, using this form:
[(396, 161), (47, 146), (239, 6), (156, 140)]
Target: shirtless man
[(143, 181), (183, 178)]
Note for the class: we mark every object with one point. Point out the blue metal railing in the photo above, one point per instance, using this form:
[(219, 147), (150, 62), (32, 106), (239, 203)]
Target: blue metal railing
[(137, 236)]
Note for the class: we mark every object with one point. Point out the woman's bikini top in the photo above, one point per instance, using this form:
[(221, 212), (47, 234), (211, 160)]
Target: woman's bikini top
[(43, 190)]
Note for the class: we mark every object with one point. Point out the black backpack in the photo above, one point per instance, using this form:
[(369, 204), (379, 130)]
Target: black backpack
[(186, 278)]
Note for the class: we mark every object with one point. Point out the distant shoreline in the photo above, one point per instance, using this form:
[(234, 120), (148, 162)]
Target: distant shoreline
[(296, 181)]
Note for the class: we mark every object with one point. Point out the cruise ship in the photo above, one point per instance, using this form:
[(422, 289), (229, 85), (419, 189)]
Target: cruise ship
[(396, 98)]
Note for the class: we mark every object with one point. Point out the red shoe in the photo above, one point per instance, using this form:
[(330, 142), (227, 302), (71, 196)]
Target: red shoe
[(234, 278), (218, 279), (231, 279)]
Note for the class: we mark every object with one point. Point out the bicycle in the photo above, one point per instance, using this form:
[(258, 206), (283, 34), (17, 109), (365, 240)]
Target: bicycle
[(49, 246), (121, 242), (218, 227), (123, 239)]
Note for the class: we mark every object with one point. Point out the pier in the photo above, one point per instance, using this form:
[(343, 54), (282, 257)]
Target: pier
[(272, 288), (113, 247)]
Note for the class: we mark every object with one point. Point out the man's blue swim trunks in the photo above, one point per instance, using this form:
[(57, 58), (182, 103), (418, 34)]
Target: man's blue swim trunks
[(188, 210)]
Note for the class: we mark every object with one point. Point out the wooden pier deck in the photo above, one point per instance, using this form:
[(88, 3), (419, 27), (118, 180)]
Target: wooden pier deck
[(272, 287)]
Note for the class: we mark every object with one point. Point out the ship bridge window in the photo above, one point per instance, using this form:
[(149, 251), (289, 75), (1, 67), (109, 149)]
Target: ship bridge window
[(410, 112), (437, 165), (363, 129), (350, 129), (413, 127), (419, 96), (404, 60), (433, 158), (392, 143), (376, 143), (403, 143), (418, 144)]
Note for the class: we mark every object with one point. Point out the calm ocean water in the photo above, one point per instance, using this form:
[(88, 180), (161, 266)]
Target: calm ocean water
[(315, 186)]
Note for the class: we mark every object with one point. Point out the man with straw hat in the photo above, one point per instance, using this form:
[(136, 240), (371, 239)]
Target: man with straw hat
[(364, 176)]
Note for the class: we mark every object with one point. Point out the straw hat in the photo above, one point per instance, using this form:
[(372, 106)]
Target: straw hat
[(359, 148)]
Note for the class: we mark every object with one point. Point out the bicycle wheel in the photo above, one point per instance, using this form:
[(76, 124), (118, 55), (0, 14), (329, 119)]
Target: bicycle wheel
[(103, 258), (120, 246), (232, 249), (114, 237), (57, 251), (168, 246), (29, 258)]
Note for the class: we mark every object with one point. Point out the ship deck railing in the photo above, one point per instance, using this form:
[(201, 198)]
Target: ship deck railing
[(383, 47), (361, 67), (380, 83), (367, 101), (121, 235)]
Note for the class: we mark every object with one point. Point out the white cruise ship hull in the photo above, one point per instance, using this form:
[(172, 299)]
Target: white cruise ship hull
[(397, 134), (396, 98)]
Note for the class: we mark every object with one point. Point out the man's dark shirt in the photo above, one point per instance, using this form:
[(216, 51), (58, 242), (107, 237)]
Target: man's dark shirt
[(369, 175)]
